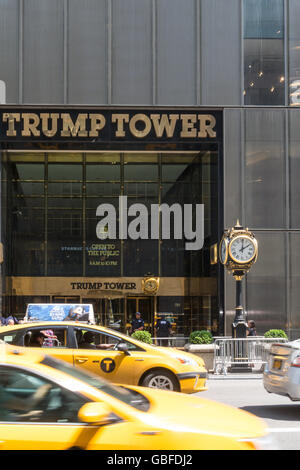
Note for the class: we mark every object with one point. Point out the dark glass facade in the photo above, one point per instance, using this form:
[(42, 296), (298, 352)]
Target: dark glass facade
[(51, 205)]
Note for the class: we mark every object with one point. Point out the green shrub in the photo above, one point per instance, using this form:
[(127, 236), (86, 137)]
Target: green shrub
[(275, 334), (143, 336), (201, 337)]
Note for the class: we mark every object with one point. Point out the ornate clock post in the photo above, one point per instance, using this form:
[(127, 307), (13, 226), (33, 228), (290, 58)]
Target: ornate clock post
[(238, 252)]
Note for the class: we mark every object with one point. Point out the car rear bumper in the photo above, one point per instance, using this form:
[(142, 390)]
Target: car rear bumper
[(286, 385), (192, 382)]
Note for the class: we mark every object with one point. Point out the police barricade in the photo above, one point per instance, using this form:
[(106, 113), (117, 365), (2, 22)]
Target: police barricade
[(251, 352)]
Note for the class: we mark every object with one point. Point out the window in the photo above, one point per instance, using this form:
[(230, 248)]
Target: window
[(294, 53), (26, 397), (131, 397), (93, 339), (54, 337), (10, 337), (264, 78)]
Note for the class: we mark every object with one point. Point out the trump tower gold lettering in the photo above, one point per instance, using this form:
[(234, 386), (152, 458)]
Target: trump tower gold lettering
[(107, 125)]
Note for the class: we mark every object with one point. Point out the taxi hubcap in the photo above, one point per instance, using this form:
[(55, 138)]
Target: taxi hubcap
[(161, 381)]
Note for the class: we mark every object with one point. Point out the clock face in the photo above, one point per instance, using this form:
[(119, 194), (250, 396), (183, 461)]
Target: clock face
[(223, 251), (151, 285), (242, 249)]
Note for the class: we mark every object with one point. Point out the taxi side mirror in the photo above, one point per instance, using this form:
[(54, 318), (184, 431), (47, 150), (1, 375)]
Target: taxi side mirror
[(124, 348), (96, 413)]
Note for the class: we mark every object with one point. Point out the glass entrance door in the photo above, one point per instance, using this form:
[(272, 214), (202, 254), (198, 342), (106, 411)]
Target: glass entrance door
[(144, 305)]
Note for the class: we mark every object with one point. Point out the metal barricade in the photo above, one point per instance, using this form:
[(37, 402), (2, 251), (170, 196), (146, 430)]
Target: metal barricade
[(251, 352)]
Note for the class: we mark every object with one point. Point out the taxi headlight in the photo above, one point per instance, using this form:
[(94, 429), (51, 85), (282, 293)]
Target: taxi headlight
[(262, 443), (187, 361)]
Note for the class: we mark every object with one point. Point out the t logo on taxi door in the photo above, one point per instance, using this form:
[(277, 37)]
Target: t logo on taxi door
[(107, 364)]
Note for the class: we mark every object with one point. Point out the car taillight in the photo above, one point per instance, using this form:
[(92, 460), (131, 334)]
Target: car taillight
[(296, 362)]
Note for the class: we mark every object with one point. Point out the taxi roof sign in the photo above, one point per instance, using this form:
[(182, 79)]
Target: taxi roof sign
[(60, 312)]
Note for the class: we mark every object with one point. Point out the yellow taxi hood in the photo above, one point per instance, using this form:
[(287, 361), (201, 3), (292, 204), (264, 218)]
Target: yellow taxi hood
[(179, 353), (186, 413)]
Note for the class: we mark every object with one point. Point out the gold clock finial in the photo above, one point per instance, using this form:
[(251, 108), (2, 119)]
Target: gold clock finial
[(238, 225)]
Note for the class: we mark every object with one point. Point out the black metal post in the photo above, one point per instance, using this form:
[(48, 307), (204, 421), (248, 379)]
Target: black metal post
[(239, 331), (239, 325)]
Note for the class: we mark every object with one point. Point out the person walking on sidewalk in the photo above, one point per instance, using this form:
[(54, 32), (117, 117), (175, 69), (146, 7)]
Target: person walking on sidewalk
[(251, 330)]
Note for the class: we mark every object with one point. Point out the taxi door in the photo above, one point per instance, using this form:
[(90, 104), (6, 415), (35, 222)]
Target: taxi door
[(116, 366)]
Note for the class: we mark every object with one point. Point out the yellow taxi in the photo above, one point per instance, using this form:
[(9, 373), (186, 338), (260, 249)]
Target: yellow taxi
[(113, 355), (47, 404)]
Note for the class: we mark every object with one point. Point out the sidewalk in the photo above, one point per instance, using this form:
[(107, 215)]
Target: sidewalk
[(236, 376)]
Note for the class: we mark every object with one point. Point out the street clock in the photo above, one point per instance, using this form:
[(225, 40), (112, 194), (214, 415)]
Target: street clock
[(238, 249), (223, 250)]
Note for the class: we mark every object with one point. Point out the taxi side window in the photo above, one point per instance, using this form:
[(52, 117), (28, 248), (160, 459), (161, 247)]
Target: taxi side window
[(25, 397), (93, 339), (54, 337), (9, 337)]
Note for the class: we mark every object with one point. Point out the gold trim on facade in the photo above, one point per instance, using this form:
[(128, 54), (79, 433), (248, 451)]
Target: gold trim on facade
[(108, 287)]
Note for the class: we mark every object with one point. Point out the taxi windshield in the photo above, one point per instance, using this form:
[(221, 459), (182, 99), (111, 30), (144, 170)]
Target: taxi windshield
[(131, 397)]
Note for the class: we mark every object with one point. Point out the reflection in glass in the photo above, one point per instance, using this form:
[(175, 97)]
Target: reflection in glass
[(194, 182), (264, 76), (52, 202), (103, 172), (294, 53), (265, 169), (294, 163), (27, 236), (102, 256), (64, 172), (67, 189), (266, 283)]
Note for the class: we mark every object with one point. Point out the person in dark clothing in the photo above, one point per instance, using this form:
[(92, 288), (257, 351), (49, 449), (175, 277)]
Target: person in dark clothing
[(37, 339), (251, 331), (163, 330), (137, 323), (7, 321), (88, 340)]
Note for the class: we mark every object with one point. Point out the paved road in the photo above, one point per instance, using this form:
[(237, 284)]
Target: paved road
[(247, 393)]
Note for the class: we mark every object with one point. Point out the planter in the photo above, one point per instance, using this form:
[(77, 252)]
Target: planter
[(205, 351)]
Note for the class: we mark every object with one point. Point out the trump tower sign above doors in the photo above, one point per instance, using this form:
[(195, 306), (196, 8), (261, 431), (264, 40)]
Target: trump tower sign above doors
[(96, 126)]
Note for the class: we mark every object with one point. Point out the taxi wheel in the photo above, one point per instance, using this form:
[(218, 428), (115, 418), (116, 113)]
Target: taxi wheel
[(160, 379)]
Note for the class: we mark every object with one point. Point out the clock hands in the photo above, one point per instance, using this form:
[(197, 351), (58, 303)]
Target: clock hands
[(244, 247)]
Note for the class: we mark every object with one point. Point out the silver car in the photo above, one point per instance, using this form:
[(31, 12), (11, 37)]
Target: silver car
[(282, 372)]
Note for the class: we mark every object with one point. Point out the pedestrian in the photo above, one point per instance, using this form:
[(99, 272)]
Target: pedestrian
[(8, 321), (50, 340), (137, 323), (163, 330), (251, 330)]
